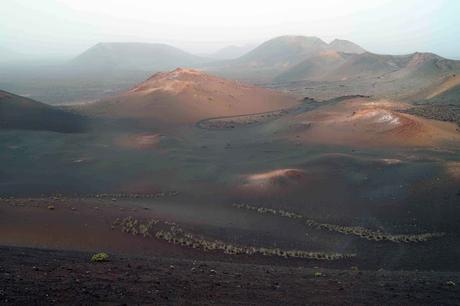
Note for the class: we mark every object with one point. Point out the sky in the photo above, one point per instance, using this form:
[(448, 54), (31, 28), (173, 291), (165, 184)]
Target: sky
[(46, 28)]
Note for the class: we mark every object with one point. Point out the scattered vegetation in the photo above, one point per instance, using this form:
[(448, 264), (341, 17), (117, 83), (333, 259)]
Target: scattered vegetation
[(358, 231), (174, 234)]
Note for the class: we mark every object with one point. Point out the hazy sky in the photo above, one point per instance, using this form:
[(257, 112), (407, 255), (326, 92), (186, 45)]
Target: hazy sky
[(67, 27)]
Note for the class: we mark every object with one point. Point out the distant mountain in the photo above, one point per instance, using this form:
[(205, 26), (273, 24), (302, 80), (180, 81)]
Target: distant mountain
[(276, 56), (343, 66), (18, 112), (410, 77), (284, 50), (345, 46), (134, 56), (184, 96), (231, 52)]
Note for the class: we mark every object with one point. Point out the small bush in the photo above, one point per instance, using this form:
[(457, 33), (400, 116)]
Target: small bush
[(318, 274), (100, 257), (451, 284)]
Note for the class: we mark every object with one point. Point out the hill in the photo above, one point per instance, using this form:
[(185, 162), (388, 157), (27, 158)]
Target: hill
[(270, 58), (184, 96), (18, 112), (447, 92), (134, 56), (449, 97), (351, 66), (284, 50), (440, 101), (413, 76), (315, 68), (364, 122)]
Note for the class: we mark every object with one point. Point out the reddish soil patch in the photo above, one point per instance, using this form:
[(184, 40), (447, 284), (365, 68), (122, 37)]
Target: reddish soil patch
[(185, 96), (359, 122)]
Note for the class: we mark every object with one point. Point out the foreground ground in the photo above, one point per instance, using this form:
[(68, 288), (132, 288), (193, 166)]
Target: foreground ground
[(39, 277), (288, 207)]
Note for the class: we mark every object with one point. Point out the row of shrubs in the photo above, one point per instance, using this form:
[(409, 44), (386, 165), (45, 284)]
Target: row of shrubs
[(172, 233), (136, 195), (347, 230), (132, 226)]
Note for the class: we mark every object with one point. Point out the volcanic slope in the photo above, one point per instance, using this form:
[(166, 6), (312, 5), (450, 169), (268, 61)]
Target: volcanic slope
[(269, 59), (185, 96), (278, 55), (446, 92), (336, 66), (440, 101), (18, 112), (367, 123), (330, 75)]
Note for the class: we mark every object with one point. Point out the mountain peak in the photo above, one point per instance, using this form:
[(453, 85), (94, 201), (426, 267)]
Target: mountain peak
[(297, 38), (303, 42), (190, 71), (174, 81), (346, 46), (426, 56)]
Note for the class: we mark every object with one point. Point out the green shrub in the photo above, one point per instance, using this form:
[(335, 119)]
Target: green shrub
[(100, 257), (318, 274)]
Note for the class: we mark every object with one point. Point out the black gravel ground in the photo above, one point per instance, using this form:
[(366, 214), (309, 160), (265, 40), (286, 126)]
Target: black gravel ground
[(47, 277)]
